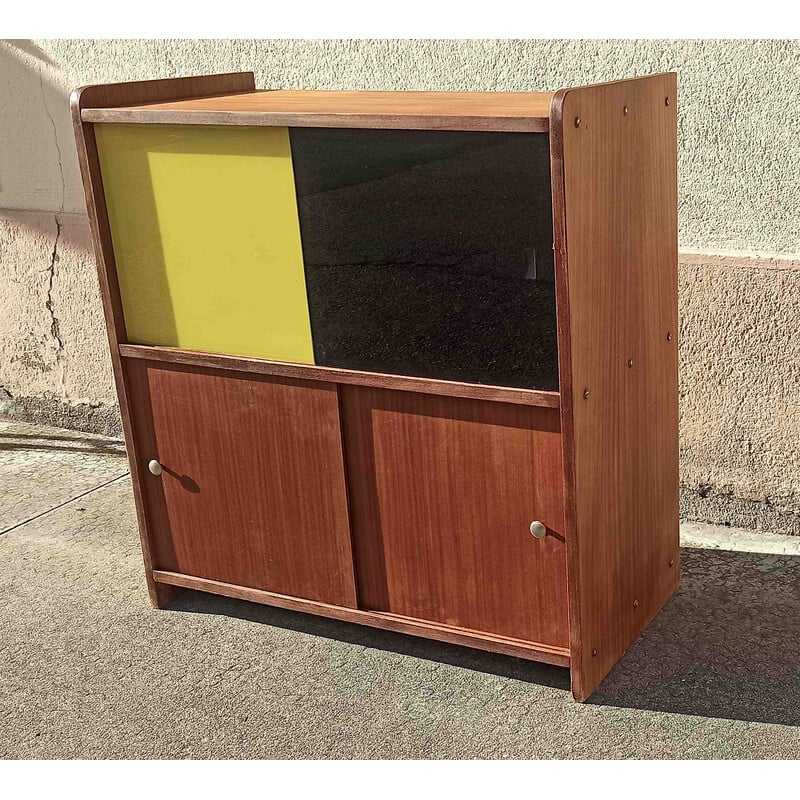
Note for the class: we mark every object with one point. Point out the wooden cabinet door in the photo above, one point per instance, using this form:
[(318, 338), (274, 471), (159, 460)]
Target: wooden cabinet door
[(442, 495), (252, 489)]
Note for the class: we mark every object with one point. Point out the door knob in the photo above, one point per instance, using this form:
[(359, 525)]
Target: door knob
[(538, 529), (154, 467)]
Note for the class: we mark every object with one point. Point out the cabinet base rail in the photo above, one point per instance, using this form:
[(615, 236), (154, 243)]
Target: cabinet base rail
[(504, 645)]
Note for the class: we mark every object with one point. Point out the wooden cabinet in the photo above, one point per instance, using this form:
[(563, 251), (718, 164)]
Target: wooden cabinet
[(401, 359)]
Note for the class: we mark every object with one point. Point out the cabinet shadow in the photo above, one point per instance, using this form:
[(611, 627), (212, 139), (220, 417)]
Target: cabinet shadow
[(454, 655), (47, 442), (727, 645)]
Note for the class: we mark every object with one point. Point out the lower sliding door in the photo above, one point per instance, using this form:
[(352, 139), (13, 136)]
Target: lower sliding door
[(442, 495), (252, 487)]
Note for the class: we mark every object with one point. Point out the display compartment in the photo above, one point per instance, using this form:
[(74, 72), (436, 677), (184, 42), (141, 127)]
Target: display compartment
[(417, 253), (206, 239), (429, 253)]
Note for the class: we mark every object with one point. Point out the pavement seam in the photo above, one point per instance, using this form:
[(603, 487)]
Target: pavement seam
[(65, 503), (706, 536)]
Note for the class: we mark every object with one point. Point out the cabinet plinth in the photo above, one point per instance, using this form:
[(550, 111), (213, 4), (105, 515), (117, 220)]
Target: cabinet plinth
[(373, 352)]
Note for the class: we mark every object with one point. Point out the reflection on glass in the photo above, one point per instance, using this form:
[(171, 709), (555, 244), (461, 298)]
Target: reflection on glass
[(429, 253)]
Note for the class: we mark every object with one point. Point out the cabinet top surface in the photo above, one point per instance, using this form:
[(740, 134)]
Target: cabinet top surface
[(513, 111)]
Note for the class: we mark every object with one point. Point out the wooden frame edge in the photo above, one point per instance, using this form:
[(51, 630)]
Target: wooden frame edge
[(80, 98), (558, 656), (565, 380), (316, 120)]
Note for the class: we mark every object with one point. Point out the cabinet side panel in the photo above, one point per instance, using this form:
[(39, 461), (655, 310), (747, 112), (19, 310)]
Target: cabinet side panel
[(614, 161), (206, 238)]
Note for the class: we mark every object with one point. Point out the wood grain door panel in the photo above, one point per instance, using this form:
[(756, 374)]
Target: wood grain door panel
[(252, 491), (442, 494)]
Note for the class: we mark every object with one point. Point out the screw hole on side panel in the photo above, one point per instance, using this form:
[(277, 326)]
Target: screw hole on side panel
[(577, 122), (666, 102), (585, 394), (636, 604), (594, 652), (630, 363), (672, 562), (669, 336), (625, 110)]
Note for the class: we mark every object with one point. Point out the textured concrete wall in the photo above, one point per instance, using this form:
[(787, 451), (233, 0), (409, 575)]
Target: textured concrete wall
[(740, 391), (739, 176)]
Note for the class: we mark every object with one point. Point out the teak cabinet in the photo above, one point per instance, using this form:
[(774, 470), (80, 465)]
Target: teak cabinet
[(402, 359)]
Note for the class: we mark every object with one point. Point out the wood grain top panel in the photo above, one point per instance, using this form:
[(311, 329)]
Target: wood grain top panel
[(512, 111)]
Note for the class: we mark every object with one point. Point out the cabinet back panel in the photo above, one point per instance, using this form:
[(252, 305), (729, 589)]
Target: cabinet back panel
[(206, 238), (442, 495), (429, 253)]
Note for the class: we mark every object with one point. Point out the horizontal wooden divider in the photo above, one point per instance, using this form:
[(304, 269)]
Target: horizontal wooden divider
[(469, 111), (502, 394), (558, 656)]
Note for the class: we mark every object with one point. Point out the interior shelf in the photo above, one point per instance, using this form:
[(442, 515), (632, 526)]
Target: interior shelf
[(502, 394)]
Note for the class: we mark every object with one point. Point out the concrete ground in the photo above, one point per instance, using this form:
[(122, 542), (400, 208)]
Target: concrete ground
[(89, 670)]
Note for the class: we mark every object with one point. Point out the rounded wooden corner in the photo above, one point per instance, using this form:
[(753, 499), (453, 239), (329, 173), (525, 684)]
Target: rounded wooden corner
[(557, 104), (159, 90), (76, 102), (75, 97), (557, 112)]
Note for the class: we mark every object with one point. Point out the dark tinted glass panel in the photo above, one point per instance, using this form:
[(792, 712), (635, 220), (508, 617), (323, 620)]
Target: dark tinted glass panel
[(429, 253)]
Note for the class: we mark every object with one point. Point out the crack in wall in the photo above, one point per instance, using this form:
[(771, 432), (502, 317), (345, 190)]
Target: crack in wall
[(55, 328), (55, 138)]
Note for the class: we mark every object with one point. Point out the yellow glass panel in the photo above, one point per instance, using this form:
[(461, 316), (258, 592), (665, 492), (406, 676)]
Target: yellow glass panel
[(206, 238)]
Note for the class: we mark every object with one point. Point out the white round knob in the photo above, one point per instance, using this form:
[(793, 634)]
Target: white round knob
[(154, 467), (538, 529)]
